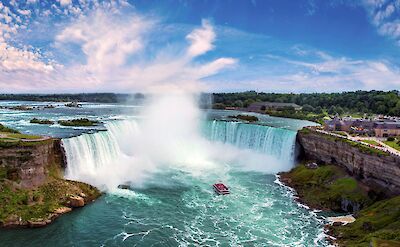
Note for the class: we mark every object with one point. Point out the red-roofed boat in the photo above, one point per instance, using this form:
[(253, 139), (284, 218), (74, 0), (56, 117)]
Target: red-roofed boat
[(221, 189)]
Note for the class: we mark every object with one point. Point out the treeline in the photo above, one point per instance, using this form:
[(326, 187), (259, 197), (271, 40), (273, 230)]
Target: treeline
[(374, 102), (83, 97)]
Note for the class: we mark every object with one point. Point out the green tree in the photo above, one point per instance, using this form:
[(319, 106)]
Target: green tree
[(307, 108)]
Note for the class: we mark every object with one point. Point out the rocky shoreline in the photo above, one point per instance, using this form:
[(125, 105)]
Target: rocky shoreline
[(33, 192), (334, 176), (73, 198)]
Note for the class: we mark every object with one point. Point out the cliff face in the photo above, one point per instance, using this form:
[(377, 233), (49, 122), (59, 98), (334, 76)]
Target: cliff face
[(30, 165), (381, 173)]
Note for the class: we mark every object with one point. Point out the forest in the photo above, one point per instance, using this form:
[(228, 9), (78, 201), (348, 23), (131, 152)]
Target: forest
[(370, 102)]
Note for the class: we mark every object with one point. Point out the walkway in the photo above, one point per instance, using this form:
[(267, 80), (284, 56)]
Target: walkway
[(384, 147)]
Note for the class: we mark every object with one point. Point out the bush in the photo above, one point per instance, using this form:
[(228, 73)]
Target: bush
[(390, 139), (245, 117), (6, 129), (41, 121), (78, 122)]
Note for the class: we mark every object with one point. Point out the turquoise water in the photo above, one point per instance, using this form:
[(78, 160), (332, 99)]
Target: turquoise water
[(175, 204), (184, 213)]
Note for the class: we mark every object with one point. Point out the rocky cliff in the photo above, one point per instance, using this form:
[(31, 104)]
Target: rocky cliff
[(380, 172), (29, 165), (33, 192)]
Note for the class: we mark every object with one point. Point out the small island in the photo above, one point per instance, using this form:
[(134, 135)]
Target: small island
[(41, 121), (245, 118), (81, 122)]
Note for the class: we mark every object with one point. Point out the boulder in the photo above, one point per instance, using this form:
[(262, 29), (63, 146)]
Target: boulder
[(76, 201), (62, 210)]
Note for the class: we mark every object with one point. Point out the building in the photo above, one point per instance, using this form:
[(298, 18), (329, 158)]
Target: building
[(385, 129), (339, 124), (378, 128), (276, 106)]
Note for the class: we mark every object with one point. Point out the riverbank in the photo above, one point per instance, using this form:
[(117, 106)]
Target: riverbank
[(41, 206), (33, 192), (331, 189)]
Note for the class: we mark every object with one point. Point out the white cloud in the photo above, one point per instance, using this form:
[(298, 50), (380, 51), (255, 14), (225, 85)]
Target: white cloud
[(327, 74), (385, 16), (65, 2), (107, 42), (114, 57), (201, 39)]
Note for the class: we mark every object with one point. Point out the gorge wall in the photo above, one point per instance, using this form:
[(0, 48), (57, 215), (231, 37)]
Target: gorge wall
[(29, 164), (380, 172)]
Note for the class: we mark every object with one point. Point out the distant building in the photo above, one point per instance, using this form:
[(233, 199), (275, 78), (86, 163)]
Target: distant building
[(378, 127), (385, 129), (263, 106)]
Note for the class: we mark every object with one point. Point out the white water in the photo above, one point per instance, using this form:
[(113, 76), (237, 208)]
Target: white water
[(121, 155)]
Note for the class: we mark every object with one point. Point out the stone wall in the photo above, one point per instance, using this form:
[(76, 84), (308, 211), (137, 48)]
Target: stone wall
[(379, 172), (29, 165)]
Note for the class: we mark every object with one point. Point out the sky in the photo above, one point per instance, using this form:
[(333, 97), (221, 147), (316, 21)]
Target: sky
[(126, 46)]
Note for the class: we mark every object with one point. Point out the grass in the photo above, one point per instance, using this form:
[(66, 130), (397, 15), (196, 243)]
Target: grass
[(379, 223), (23, 136), (11, 143), (326, 186), (78, 122), (39, 203), (7, 130), (372, 142), (361, 147), (394, 144), (342, 133)]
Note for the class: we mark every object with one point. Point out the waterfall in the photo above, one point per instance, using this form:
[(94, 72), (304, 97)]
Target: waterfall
[(123, 153), (277, 142)]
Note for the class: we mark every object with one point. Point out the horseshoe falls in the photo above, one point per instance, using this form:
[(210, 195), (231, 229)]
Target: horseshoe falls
[(171, 201)]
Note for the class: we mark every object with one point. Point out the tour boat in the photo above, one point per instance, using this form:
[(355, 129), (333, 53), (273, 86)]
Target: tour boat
[(221, 189)]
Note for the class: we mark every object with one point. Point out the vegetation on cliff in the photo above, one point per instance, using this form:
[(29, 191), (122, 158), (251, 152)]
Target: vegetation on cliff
[(36, 204), (7, 130), (21, 206), (364, 148), (327, 187), (378, 225), (78, 122)]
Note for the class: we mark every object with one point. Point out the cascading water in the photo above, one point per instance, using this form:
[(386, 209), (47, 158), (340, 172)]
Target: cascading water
[(277, 142), (110, 155)]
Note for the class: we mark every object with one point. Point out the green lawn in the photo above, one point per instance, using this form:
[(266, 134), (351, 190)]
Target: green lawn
[(372, 142), (393, 144)]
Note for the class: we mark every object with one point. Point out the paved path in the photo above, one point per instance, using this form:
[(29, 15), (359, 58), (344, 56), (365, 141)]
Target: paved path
[(384, 147)]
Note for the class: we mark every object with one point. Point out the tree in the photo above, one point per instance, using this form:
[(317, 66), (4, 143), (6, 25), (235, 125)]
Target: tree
[(332, 110), (307, 108), (318, 110), (238, 103)]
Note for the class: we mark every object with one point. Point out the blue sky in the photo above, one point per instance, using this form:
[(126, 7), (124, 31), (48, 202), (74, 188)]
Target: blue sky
[(199, 45)]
